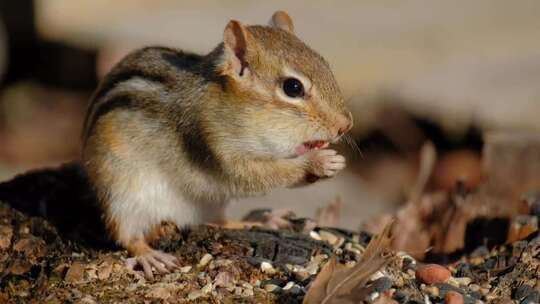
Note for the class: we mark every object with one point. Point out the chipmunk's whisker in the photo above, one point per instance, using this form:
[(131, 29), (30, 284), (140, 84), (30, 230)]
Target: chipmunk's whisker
[(354, 147)]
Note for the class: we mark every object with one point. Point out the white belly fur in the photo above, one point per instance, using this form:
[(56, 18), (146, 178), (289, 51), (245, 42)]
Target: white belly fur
[(149, 199)]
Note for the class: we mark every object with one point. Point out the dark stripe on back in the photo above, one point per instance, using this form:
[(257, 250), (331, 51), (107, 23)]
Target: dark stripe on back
[(196, 147), (108, 84), (114, 79), (117, 102), (194, 64)]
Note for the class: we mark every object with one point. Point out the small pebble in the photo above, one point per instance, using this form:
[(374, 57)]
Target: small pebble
[(340, 242), (448, 287), (276, 282), (224, 279), (432, 273), (400, 296), (377, 275), (202, 275), (271, 288), (463, 281), (296, 290), (452, 281), (328, 237), (373, 296), (194, 295), (267, 268), (205, 259), (476, 260), (207, 288), (301, 275), (486, 285), (314, 235), (382, 284), (238, 291), (312, 269), (474, 287), (432, 291), (319, 258), (484, 291), (359, 247), (288, 286), (463, 270), (408, 263), (185, 269), (248, 293), (349, 246), (453, 297)]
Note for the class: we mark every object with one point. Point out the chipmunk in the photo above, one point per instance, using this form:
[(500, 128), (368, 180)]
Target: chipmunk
[(173, 136)]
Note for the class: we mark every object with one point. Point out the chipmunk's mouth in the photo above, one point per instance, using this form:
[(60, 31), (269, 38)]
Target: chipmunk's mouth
[(311, 145)]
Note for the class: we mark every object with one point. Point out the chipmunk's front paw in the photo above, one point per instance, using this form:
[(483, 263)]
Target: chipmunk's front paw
[(325, 162)]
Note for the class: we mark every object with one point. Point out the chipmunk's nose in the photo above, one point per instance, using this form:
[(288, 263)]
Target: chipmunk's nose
[(344, 123)]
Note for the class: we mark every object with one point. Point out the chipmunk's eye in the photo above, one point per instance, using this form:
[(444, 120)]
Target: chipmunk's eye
[(293, 88)]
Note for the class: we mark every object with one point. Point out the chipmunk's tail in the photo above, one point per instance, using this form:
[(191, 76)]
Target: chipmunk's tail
[(61, 195), (47, 192)]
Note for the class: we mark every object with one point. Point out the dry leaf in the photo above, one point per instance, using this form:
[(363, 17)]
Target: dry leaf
[(336, 283), (329, 215), (317, 291), (75, 273), (6, 233), (428, 158)]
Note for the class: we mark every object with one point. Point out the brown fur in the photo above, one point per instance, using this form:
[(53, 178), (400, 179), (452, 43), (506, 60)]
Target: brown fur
[(208, 128)]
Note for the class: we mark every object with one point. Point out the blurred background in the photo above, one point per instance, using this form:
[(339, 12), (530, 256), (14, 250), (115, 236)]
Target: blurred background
[(412, 71)]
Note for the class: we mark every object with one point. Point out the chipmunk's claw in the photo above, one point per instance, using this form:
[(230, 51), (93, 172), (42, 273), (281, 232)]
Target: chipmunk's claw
[(162, 262)]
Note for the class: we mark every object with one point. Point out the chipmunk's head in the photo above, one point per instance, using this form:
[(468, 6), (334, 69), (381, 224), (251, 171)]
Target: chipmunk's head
[(287, 98)]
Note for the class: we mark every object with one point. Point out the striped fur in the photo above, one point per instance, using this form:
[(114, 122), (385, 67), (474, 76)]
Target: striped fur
[(173, 136)]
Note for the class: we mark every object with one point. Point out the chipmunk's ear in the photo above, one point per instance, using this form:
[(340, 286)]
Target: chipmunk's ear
[(235, 48), (282, 20)]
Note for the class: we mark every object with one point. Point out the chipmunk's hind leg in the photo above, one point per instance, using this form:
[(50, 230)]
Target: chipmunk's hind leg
[(134, 225)]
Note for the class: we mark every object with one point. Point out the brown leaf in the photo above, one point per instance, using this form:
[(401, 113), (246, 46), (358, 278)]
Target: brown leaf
[(428, 158), (224, 279), (329, 215), (31, 247), (412, 237), (75, 273), (161, 291), (104, 269), (317, 291), (19, 267), (335, 283), (6, 233)]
